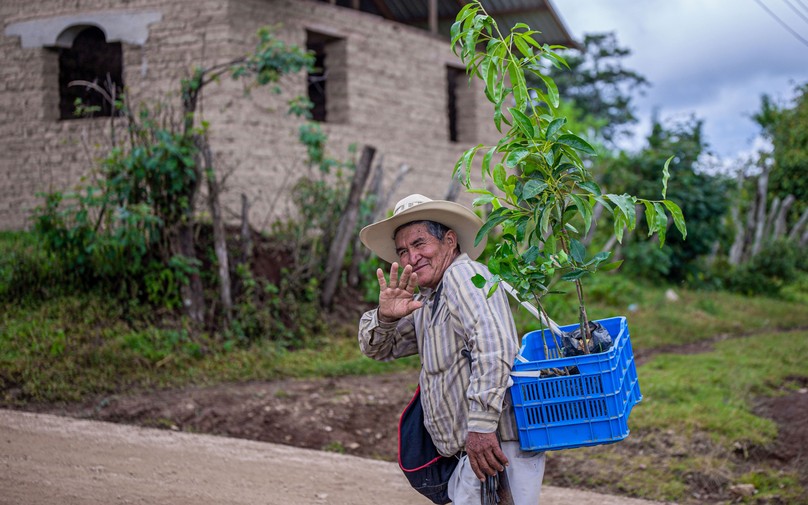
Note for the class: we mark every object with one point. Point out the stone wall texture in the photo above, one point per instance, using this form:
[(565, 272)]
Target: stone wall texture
[(392, 95)]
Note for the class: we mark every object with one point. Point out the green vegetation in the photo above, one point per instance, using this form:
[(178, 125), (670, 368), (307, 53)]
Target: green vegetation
[(713, 392), (71, 346), (696, 421)]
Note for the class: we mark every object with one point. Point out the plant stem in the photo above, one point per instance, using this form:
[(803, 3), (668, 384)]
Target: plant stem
[(587, 334), (579, 290)]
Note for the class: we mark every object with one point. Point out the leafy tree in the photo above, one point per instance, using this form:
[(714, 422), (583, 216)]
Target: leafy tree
[(598, 84), (787, 128), (704, 199)]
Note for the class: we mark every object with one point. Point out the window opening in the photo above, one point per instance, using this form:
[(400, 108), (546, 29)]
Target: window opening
[(317, 80), (453, 75), (328, 82), (92, 59)]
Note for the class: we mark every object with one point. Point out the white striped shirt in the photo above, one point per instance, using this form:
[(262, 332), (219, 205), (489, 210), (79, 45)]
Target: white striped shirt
[(456, 316)]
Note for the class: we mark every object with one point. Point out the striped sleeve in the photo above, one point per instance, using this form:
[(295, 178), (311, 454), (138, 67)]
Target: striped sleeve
[(386, 341), (492, 340)]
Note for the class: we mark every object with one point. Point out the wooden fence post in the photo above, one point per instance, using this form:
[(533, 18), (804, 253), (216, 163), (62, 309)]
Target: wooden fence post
[(345, 230)]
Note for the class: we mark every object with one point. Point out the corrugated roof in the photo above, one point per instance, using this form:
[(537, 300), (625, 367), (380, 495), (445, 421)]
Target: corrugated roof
[(540, 15)]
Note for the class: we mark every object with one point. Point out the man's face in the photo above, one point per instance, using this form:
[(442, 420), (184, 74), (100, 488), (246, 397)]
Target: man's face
[(428, 256)]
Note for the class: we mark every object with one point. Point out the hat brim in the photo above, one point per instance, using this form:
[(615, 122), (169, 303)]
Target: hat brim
[(378, 237)]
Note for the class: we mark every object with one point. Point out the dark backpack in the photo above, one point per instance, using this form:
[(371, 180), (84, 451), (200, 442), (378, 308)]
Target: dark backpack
[(426, 469)]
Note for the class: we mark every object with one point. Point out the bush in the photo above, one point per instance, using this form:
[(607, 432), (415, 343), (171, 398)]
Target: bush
[(777, 265)]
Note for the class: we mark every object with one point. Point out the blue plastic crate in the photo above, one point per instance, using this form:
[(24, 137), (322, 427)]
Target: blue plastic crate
[(587, 408)]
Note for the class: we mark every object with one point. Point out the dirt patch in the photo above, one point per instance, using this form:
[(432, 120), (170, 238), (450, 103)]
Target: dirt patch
[(352, 415), (359, 416)]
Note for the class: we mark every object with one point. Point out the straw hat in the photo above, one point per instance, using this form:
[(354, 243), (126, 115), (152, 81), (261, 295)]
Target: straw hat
[(378, 237)]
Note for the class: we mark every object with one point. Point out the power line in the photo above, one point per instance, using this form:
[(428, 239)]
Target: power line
[(781, 22), (802, 4), (796, 11)]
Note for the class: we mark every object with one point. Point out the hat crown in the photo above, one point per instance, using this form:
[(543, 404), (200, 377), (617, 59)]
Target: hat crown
[(410, 202)]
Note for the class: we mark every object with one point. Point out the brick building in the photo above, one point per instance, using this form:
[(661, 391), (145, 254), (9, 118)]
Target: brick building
[(390, 76)]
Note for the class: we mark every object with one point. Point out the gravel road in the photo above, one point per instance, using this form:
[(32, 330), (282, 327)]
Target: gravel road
[(56, 460)]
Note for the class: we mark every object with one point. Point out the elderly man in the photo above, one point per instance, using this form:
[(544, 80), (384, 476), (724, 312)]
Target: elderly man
[(430, 245)]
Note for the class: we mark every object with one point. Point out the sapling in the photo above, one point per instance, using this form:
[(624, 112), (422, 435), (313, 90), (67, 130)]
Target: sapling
[(545, 194)]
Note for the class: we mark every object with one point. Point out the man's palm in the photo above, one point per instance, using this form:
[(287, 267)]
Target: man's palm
[(396, 297)]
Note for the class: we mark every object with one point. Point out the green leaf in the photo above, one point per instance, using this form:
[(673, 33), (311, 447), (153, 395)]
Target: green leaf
[(619, 225), (590, 186), (479, 281), (610, 266), (532, 188), (516, 156), (577, 251), (518, 84), (494, 219), (585, 208), (550, 245), (499, 176), (599, 258), (522, 46), (576, 142), (626, 204), (678, 217), (552, 90), (483, 200), (487, 160), (665, 176), (660, 223), (573, 275), (523, 122), (531, 254), (650, 216), (554, 126)]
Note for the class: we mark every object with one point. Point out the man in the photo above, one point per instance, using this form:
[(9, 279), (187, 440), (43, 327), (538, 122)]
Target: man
[(430, 245)]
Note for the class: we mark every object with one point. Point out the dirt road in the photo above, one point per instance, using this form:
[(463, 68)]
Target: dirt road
[(48, 459)]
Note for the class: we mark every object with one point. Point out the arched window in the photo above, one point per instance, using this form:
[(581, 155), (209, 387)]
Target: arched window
[(90, 58)]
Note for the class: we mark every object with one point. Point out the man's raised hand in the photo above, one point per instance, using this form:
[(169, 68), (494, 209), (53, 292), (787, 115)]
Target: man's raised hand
[(395, 297)]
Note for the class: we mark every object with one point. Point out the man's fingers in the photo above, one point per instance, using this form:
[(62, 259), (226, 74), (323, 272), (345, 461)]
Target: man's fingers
[(475, 467), (382, 280), (394, 275), (496, 460), (408, 278), (413, 282)]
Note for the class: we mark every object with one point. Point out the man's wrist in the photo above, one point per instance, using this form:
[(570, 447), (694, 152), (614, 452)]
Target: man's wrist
[(384, 321)]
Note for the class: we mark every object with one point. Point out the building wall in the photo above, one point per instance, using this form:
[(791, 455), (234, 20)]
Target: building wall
[(393, 96)]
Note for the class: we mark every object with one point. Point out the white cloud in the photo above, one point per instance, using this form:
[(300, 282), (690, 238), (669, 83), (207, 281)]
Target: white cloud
[(711, 58)]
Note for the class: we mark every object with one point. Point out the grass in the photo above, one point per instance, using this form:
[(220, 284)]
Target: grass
[(713, 392), (72, 347), (695, 417)]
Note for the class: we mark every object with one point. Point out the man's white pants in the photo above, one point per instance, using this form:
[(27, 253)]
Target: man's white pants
[(525, 472)]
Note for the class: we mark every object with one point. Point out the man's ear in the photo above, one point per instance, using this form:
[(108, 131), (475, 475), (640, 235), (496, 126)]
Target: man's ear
[(450, 238)]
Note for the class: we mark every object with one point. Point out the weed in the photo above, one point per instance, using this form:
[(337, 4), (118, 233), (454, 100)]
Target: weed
[(335, 446)]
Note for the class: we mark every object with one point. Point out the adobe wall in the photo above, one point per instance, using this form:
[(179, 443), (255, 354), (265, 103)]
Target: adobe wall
[(394, 98)]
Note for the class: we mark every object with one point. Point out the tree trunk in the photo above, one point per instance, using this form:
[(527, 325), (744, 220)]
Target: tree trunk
[(795, 233), (360, 253), (770, 217), (219, 236), (760, 217), (345, 230), (780, 221), (453, 190), (246, 236), (193, 298), (382, 204), (736, 251)]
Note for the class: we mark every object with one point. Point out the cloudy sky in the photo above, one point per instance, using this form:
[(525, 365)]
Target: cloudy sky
[(709, 58)]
